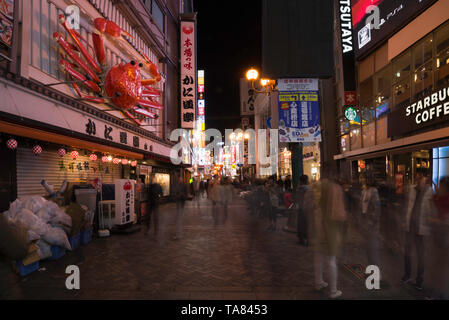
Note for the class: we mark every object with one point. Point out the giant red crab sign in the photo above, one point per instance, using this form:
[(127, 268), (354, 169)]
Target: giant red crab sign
[(120, 85)]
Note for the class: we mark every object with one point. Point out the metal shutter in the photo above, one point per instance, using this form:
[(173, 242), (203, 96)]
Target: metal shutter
[(32, 169)]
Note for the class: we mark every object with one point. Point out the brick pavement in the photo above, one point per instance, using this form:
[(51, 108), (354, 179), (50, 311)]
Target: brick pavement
[(239, 260)]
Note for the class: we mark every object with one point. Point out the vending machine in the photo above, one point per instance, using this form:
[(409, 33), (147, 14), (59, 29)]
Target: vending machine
[(124, 201)]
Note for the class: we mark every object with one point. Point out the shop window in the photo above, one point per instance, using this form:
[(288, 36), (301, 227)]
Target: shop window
[(442, 56), (344, 126), (382, 130), (382, 91), (369, 129), (401, 80), (423, 68), (344, 143), (366, 93), (355, 137)]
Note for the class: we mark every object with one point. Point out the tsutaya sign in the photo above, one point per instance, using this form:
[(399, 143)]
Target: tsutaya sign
[(346, 25), (428, 111)]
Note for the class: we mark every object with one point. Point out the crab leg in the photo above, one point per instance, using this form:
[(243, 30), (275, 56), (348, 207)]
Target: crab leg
[(65, 45), (145, 113), (130, 116), (150, 104), (103, 26), (150, 92), (75, 38), (66, 66), (152, 68), (147, 82)]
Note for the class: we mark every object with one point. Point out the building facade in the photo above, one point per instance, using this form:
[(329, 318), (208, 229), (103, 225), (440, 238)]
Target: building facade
[(401, 125), (50, 130)]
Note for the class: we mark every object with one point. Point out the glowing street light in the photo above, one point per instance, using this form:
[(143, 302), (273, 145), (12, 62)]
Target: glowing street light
[(252, 74)]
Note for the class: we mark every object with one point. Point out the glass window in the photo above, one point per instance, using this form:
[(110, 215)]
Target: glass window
[(382, 130), (423, 68), (344, 143), (442, 56), (344, 125), (366, 93), (158, 15), (355, 137), (401, 80)]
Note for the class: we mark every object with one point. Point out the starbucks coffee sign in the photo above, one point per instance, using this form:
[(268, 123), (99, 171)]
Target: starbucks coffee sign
[(430, 110)]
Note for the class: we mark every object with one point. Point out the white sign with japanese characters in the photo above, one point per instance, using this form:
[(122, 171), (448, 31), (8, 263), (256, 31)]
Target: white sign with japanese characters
[(188, 75)]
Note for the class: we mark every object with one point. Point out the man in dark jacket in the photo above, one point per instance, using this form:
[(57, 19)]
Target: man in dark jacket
[(301, 219), (13, 246), (155, 193)]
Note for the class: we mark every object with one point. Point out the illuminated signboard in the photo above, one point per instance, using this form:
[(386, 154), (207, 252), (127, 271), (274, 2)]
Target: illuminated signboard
[(188, 74), (376, 20)]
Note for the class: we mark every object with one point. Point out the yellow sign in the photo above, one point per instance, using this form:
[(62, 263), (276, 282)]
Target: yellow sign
[(288, 97), (308, 97)]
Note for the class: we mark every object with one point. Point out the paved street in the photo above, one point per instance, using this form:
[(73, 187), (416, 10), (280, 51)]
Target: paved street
[(239, 260)]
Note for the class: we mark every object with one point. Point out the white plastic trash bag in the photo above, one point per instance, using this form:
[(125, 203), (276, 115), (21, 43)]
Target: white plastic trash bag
[(62, 220), (14, 208), (31, 221), (32, 236), (57, 237), (44, 214), (33, 203)]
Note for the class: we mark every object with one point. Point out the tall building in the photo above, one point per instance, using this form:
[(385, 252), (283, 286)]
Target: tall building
[(68, 111), (398, 124)]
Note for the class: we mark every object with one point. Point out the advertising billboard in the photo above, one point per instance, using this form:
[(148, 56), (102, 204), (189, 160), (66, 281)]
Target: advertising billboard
[(299, 118), (376, 20), (188, 74)]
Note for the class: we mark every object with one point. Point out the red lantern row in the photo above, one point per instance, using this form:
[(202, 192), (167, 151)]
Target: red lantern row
[(12, 144)]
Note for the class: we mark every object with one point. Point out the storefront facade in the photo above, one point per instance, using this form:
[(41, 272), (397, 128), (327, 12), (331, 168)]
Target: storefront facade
[(401, 125), (54, 135)]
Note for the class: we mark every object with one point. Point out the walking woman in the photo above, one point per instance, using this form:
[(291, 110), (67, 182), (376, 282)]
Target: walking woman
[(370, 220)]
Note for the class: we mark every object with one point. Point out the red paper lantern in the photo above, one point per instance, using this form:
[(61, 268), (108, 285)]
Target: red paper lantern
[(37, 149), (116, 161), (93, 157), (62, 152), (74, 154), (104, 159), (133, 163), (124, 162), (12, 144)]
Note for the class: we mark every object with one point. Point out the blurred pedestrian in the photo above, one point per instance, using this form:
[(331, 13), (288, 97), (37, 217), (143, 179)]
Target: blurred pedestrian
[(226, 191), (197, 193), (13, 246), (419, 205), (370, 220), (141, 198), (329, 215), (180, 195), (301, 221), (288, 183), (439, 224), (155, 194)]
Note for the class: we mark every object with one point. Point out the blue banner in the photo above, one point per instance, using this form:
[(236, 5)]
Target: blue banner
[(299, 118)]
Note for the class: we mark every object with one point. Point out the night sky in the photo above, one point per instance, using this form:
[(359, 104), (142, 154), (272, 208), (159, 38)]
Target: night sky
[(229, 42)]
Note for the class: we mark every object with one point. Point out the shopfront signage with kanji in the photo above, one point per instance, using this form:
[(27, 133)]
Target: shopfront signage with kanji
[(299, 118), (188, 74)]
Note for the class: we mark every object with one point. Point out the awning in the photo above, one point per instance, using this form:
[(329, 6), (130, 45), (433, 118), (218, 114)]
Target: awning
[(37, 134)]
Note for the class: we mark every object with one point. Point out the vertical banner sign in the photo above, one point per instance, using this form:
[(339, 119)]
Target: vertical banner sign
[(188, 74), (299, 117), (124, 201), (247, 98), (347, 44), (6, 22)]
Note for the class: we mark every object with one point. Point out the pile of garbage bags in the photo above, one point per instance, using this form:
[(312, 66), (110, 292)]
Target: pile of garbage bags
[(46, 223)]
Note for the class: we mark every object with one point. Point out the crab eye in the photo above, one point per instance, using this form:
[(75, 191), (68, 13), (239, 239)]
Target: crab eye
[(118, 94), (133, 63), (140, 65)]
